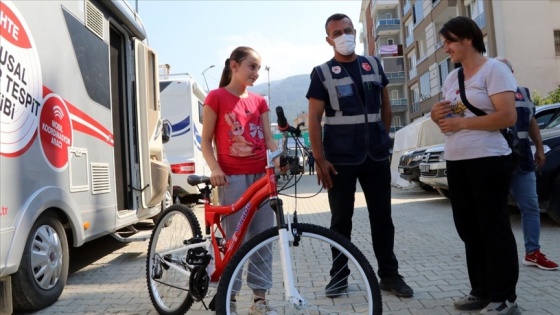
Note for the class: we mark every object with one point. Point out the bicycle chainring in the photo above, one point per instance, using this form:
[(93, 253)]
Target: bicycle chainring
[(198, 283)]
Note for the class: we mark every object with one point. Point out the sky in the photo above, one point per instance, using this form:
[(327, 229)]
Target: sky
[(192, 35)]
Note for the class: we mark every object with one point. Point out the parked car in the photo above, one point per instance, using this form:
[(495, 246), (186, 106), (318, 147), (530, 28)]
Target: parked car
[(409, 167), (545, 114), (548, 177), (432, 169)]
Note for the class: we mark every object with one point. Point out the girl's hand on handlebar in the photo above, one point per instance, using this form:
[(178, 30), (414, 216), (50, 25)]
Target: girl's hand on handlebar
[(218, 178)]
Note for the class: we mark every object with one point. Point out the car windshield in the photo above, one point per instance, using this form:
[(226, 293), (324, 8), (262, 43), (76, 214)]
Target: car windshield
[(554, 123)]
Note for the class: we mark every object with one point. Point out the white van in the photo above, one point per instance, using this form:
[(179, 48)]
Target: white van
[(81, 153), (182, 100)]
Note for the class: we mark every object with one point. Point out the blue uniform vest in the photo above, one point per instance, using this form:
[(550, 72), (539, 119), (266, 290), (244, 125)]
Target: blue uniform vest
[(525, 112), (353, 128)]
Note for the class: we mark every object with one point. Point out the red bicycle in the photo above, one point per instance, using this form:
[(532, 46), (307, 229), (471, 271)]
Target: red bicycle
[(184, 266)]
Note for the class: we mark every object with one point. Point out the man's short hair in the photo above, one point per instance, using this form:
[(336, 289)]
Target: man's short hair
[(336, 17)]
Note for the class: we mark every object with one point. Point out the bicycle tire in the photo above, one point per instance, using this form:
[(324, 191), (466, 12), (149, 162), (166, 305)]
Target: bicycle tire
[(169, 290), (311, 262)]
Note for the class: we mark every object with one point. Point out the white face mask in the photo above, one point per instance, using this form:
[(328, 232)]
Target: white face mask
[(345, 44)]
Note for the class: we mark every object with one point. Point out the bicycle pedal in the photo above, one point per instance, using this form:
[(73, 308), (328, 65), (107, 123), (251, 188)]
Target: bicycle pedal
[(198, 256)]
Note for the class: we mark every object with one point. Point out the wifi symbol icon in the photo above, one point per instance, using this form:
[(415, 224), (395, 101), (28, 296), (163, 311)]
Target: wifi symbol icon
[(58, 113)]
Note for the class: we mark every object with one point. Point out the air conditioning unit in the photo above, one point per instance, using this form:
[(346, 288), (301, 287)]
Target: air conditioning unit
[(6, 307)]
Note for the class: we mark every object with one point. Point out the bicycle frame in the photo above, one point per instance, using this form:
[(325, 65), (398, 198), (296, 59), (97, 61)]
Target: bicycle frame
[(263, 189)]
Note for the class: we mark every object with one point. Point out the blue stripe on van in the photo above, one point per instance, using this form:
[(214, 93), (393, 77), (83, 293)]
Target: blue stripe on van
[(198, 138), (181, 127)]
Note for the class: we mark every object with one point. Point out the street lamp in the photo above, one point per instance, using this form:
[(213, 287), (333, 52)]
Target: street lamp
[(267, 68), (212, 66)]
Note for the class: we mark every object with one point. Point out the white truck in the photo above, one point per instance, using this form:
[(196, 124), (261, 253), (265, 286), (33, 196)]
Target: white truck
[(182, 99), (81, 152)]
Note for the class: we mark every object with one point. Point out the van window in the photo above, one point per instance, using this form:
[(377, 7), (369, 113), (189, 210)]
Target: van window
[(200, 110)]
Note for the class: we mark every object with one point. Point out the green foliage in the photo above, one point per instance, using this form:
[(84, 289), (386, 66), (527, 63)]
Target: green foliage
[(553, 97)]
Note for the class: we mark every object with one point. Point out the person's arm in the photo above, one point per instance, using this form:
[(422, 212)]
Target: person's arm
[(504, 116), (535, 135), (268, 138), (324, 167), (386, 112), (209, 120)]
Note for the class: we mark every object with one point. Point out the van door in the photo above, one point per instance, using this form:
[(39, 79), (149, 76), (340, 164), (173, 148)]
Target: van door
[(153, 172)]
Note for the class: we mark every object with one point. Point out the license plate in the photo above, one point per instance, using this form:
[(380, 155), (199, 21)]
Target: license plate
[(424, 168)]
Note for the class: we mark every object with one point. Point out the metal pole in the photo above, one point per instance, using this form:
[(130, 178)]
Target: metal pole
[(212, 66), (267, 68)]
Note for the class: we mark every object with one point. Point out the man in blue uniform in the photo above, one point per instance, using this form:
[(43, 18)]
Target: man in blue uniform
[(523, 185), (350, 90)]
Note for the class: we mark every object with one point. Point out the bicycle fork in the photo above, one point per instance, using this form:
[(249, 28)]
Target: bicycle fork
[(285, 237)]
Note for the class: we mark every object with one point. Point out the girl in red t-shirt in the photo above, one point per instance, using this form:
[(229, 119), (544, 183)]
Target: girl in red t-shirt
[(236, 120)]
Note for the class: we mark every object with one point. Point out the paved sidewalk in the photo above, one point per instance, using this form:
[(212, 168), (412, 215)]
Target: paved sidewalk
[(109, 277)]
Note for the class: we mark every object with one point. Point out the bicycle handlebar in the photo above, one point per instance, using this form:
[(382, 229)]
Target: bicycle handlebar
[(283, 123)]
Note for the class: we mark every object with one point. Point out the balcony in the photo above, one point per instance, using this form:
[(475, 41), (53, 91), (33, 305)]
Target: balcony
[(399, 105), (387, 26), (399, 102)]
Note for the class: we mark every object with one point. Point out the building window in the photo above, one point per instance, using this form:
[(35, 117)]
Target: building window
[(557, 42), (390, 41), (444, 68), (425, 91)]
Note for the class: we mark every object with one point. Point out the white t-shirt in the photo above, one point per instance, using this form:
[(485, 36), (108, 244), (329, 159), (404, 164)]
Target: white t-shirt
[(492, 78)]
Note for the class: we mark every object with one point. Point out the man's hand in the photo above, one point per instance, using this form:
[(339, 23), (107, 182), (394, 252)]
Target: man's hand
[(540, 159), (324, 170)]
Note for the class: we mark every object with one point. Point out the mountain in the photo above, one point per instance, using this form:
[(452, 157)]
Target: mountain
[(288, 93)]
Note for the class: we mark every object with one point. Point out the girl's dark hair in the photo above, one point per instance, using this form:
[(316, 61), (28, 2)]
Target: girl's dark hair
[(238, 55), (462, 27)]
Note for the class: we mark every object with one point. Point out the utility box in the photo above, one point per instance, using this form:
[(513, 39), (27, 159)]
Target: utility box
[(6, 296)]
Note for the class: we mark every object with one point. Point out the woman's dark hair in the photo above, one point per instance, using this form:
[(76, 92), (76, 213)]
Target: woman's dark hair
[(238, 55), (462, 27)]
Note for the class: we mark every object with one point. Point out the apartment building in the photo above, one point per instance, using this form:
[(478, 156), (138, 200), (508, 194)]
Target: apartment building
[(381, 21), (526, 32)]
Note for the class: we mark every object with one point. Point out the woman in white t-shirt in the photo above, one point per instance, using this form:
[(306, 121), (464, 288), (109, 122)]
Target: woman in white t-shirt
[(479, 167)]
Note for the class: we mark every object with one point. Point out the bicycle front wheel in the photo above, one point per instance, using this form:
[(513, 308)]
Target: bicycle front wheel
[(257, 267), (169, 288)]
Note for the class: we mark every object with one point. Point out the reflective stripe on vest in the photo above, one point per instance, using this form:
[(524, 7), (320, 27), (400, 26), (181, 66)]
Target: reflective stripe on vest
[(526, 103), (351, 120), (330, 84)]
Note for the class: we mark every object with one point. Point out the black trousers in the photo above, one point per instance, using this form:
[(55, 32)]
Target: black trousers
[(479, 191), (375, 180)]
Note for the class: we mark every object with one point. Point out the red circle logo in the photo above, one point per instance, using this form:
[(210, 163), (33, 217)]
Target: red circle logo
[(55, 130)]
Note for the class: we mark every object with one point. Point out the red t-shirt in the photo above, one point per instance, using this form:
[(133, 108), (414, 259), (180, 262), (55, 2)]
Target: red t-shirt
[(239, 133)]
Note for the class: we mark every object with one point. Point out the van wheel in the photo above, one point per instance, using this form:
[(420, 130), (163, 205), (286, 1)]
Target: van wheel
[(43, 270), (553, 209)]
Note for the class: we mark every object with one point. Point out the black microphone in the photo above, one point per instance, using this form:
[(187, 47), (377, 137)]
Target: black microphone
[(282, 121)]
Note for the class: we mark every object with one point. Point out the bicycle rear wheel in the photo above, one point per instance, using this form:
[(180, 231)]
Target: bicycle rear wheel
[(168, 288), (311, 263)]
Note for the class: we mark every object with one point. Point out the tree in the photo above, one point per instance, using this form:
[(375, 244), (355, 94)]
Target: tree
[(553, 97)]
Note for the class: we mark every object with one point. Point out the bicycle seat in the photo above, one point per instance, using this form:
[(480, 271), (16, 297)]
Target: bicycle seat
[(194, 180)]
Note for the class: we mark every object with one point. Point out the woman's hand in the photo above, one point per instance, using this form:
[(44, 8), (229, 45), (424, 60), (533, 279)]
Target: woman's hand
[(452, 124), (440, 110)]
